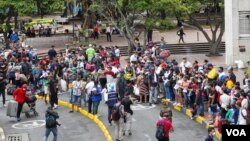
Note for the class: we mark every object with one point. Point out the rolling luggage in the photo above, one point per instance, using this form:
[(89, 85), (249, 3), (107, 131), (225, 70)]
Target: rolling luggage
[(12, 108)]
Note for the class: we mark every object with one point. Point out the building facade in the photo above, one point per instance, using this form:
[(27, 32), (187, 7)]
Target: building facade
[(237, 30)]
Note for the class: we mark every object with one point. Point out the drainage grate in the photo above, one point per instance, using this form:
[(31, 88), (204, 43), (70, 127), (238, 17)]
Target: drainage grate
[(17, 137)]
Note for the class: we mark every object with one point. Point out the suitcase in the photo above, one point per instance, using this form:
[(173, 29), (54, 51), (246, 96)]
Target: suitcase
[(12, 108)]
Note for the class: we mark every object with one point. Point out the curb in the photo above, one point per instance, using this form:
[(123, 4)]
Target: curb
[(92, 117), (200, 120), (2, 136)]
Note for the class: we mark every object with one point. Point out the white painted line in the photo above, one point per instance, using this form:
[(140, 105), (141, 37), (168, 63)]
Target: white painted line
[(147, 136), (138, 107), (29, 124)]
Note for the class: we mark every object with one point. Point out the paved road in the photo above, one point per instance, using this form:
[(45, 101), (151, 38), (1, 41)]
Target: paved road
[(74, 126), (144, 121)]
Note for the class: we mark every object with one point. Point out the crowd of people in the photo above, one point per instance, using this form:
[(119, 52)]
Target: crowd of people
[(90, 74)]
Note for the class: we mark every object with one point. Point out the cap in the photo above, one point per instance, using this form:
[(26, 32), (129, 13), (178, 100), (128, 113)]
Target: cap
[(93, 89), (209, 65)]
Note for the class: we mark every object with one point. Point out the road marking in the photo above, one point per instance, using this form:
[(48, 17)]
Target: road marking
[(147, 136), (133, 120), (29, 124), (137, 107)]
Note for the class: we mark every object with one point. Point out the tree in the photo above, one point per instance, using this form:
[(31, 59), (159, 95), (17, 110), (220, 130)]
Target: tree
[(12, 8), (214, 16), (126, 15), (48, 6)]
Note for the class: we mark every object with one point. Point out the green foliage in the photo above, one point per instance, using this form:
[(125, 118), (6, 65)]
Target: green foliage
[(38, 21), (164, 24)]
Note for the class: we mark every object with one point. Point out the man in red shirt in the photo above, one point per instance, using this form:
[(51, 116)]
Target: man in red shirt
[(168, 127), (20, 96)]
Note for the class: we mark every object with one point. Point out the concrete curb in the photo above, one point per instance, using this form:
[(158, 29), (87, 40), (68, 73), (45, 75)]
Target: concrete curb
[(2, 136), (92, 117), (200, 120)]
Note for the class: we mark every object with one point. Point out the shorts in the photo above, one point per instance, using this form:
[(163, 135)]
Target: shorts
[(75, 99), (213, 110)]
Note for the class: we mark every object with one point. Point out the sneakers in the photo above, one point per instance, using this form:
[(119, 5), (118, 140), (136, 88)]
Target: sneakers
[(4, 105), (129, 133), (18, 119), (71, 111)]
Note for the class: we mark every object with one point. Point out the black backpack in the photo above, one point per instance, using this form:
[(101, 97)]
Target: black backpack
[(50, 121), (116, 115), (160, 133)]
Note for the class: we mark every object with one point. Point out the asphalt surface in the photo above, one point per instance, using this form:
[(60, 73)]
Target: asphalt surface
[(144, 124), (75, 127)]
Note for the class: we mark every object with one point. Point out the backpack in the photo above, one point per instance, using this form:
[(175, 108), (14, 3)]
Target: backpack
[(50, 121), (116, 113), (26, 68), (160, 133)]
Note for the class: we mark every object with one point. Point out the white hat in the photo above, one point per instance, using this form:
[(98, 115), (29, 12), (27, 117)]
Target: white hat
[(93, 89)]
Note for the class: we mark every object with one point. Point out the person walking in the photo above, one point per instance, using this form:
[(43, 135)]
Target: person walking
[(180, 33), (211, 134), (127, 102), (96, 32), (51, 123), (3, 70), (119, 123), (52, 53), (167, 126), (52, 92), (96, 97), (90, 85), (110, 99), (76, 94), (108, 32), (20, 96)]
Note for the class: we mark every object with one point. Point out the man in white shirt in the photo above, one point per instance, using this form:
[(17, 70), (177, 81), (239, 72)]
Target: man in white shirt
[(108, 33), (225, 102), (242, 114), (90, 85), (117, 52), (133, 58), (184, 65), (244, 102)]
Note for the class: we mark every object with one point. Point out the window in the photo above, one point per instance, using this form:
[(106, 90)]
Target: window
[(244, 22)]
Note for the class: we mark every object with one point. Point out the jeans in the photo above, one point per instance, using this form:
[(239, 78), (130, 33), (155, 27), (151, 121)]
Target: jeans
[(95, 107), (2, 93), (128, 124), (167, 92), (185, 95), (84, 98), (108, 37), (109, 113), (89, 105), (47, 132), (153, 95), (201, 108), (119, 128)]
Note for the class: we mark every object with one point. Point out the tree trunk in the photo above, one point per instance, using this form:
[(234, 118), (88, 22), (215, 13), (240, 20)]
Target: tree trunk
[(214, 48), (7, 42), (38, 5), (145, 39), (15, 21)]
